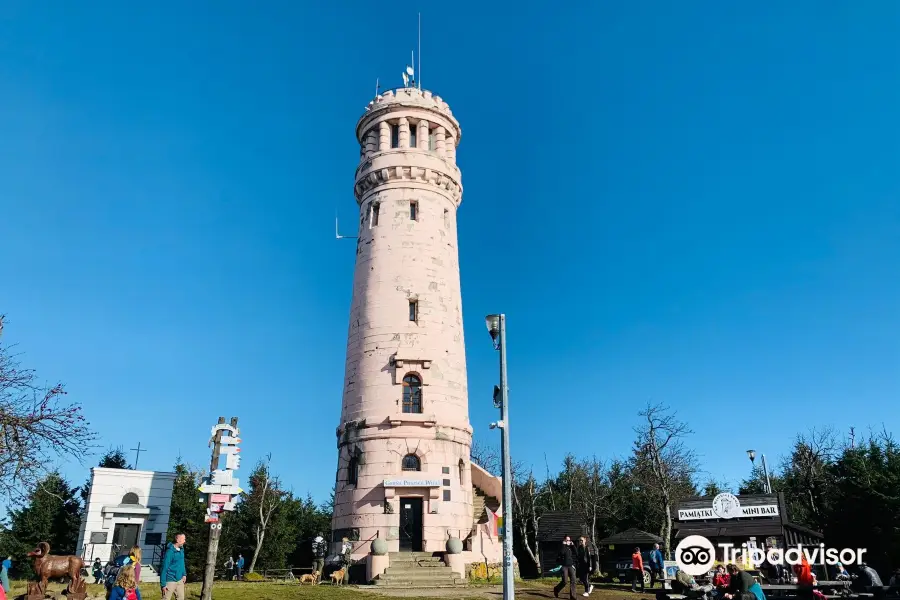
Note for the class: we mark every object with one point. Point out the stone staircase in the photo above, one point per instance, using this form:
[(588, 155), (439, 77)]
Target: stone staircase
[(418, 570), (479, 501)]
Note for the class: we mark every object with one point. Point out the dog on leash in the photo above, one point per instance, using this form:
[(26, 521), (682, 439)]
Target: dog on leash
[(310, 578), (337, 578)]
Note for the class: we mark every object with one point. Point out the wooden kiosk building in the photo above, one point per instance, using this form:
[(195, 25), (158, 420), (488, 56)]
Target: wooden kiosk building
[(763, 522)]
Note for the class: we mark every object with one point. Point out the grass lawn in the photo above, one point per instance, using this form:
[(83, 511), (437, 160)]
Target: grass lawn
[(526, 590)]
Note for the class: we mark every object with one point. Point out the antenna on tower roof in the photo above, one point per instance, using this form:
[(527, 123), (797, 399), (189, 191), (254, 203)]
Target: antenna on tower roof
[(420, 52), (338, 235)]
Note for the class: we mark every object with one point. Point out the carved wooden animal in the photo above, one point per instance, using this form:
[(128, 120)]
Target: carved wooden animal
[(48, 567)]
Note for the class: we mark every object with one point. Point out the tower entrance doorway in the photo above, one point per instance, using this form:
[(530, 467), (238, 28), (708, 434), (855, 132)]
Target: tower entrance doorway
[(411, 524)]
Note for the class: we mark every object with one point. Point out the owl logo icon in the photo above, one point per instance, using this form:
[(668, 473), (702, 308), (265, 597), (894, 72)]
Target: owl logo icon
[(726, 506), (695, 555)]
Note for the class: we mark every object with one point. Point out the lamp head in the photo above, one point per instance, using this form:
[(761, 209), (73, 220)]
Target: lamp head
[(752, 455), (493, 326)]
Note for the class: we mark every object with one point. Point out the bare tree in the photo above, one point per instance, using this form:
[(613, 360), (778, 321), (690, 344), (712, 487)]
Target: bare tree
[(663, 464), (35, 424), (270, 498), (528, 512), (486, 457), (806, 474)]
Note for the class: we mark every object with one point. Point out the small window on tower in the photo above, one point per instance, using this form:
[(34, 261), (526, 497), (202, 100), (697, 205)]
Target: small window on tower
[(413, 137), (413, 210), (414, 310), (431, 142), (353, 471), (446, 218), (395, 136), (374, 218)]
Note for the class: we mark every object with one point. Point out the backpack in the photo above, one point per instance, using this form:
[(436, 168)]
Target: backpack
[(319, 549), (130, 595), (112, 570)]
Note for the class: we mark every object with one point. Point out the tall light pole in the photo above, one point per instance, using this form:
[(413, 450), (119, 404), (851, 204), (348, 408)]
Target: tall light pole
[(752, 455), (496, 325)]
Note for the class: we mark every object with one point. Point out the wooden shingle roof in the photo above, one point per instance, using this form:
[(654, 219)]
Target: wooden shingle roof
[(559, 523), (631, 536)]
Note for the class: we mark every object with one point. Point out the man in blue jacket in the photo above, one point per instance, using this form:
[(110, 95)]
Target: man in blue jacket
[(657, 567), (172, 575)]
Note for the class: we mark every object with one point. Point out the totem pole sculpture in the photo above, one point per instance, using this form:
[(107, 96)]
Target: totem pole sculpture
[(48, 567)]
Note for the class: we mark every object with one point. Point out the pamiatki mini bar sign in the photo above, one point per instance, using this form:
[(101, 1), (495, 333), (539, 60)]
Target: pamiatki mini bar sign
[(405, 483), (727, 506)]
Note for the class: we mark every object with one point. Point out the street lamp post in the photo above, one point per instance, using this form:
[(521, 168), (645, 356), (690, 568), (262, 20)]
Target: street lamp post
[(752, 455), (496, 325)]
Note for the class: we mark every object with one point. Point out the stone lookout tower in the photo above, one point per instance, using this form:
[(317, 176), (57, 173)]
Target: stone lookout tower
[(404, 471)]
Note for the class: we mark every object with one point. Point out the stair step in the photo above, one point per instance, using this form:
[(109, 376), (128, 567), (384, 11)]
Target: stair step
[(415, 577), (416, 572)]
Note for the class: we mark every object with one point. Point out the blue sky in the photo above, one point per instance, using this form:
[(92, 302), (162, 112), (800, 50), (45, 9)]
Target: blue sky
[(692, 203)]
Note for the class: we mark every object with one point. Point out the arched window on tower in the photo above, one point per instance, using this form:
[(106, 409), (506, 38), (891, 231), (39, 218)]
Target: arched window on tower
[(130, 498), (411, 463), (412, 394)]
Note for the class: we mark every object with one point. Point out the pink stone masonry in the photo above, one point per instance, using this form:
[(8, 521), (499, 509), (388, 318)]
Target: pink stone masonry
[(405, 398)]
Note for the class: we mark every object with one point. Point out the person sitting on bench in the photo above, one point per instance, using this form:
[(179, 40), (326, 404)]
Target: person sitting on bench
[(742, 585)]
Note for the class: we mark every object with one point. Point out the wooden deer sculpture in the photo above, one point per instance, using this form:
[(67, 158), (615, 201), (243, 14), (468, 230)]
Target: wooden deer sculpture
[(48, 567)]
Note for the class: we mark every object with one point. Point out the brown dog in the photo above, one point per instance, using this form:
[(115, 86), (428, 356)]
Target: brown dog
[(337, 578), (310, 578)]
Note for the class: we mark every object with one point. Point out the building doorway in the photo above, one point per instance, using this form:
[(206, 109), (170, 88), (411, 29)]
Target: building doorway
[(411, 524), (124, 537)]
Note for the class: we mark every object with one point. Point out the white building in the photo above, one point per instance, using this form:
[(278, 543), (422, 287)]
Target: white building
[(125, 508)]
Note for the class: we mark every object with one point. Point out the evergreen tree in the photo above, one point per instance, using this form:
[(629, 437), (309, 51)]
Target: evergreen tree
[(51, 514), (187, 515)]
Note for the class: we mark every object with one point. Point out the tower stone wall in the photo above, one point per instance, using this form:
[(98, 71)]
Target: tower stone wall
[(404, 438)]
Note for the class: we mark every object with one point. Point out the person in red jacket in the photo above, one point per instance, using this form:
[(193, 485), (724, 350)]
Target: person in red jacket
[(637, 570), (721, 578)]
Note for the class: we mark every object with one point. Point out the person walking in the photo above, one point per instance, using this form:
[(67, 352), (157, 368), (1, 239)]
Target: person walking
[(4, 573), (657, 568), (126, 587), (239, 566), (172, 574), (583, 565), (136, 556), (566, 560), (637, 570), (319, 550)]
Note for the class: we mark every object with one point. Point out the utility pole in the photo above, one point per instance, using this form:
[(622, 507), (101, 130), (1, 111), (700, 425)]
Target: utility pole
[(496, 325), (216, 482)]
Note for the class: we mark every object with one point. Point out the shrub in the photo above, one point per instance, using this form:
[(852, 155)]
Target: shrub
[(253, 577)]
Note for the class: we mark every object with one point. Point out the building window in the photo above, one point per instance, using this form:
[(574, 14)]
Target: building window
[(446, 218), (411, 463), (414, 311), (413, 135), (373, 219), (446, 495), (462, 473), (395, 136), (130, 498), (412, 394), (431, 142), (152, 539), (353, 470), (413, 210)]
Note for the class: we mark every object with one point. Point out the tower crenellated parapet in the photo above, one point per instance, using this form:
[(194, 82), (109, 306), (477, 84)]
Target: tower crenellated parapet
[(408, 135)]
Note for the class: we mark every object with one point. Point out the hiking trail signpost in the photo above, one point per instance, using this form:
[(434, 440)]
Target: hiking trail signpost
[(219, 490)]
